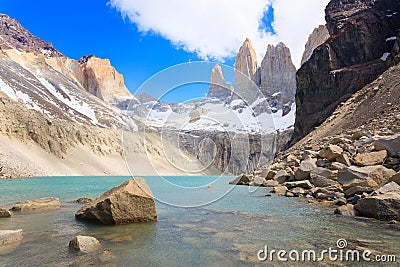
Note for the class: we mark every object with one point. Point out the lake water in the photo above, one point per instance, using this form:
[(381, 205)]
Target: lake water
[(229, 231)]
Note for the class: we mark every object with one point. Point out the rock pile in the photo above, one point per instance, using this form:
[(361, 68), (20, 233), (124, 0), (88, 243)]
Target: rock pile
[(357, 171)]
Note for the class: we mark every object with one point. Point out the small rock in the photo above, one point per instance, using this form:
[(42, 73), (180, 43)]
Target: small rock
[(346, 210), (244, 179), (82, 200), (344, 159), (305, 168), (4, 213), (281, 176), (292, 160), (340, 201), (271, 183), (107, 256), (298, 191), (323, 163), (85, 244), (337, 166), (305, 184), (280, 190), (370, 159), (331, 152), (357, 190), (259, 181)]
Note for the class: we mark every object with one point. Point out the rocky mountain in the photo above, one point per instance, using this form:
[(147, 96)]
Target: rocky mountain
[(246, 67), (317, 38), (56, 115), (278, 74), (218, 87), (96, 75), (13, 35), (363, 44)]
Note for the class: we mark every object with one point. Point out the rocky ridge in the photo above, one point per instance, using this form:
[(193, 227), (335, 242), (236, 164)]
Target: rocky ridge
[(96, 75), (218, 87)]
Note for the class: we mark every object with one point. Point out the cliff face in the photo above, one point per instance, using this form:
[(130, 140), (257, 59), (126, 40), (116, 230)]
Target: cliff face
[(317, 38), (218, 87), (278, 74), (103, 80), (363, 35)]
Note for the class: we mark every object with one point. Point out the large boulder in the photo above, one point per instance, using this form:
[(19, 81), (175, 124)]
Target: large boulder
[(281, 176), (305, 168), (384, 207), (259, 181), (331, 152), (370, 176), (390, 187), (4, 213), (85, 244), (130, 202), (41, 204), (390, 144), (10, 240), (244, 179), (370, 159), (322, 177)]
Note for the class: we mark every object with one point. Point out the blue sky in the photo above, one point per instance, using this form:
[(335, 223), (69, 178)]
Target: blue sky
[(136, 46)]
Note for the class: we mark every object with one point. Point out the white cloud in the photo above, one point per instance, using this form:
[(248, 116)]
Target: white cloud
[(295, 20), (215, 29)]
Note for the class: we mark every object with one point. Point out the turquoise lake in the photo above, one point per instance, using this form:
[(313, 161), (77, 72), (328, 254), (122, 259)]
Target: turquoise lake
[(197, 226)]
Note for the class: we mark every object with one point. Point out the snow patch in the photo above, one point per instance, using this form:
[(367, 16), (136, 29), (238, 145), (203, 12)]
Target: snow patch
[(385, 56), (72, 102), (8, 90), (393, 38)]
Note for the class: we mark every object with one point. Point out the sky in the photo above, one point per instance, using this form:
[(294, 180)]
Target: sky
[(144, 37)]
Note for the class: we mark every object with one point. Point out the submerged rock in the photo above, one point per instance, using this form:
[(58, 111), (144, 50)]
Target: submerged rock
[(85, 244), (41, 204), (10, 240), (5, 213), (346, 210), (130, 202), (82, 200)]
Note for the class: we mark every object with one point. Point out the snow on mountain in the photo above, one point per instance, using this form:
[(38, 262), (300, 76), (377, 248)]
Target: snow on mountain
[(216, 116)]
